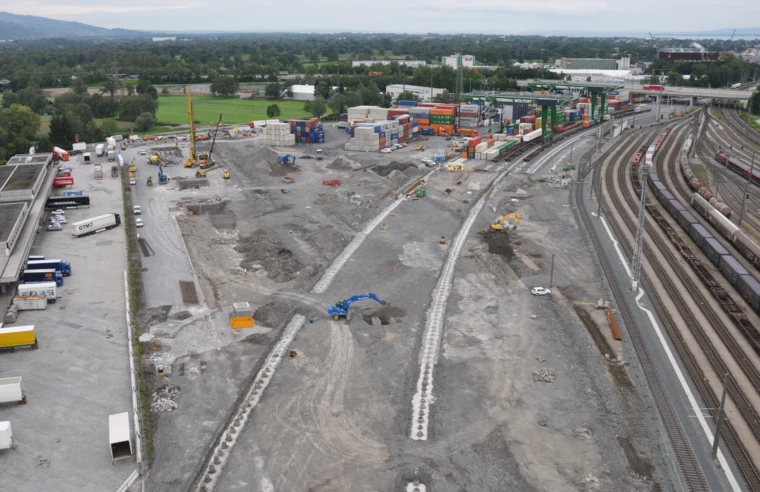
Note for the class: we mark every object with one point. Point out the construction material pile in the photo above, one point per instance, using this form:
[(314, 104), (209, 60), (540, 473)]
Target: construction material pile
[(277, 133)]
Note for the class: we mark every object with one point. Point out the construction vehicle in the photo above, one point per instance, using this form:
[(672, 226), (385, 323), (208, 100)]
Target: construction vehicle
[(341, 308), (156, 160), (226, 174), (443, 240), (206, 162), (200, 174), (501, 223), (190, 162), (287, 159), (420, 148), (132, 167), (162, 178), (421, 192), (150, 181), (319, 154)]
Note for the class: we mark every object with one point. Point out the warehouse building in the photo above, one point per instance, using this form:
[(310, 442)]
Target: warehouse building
[(586, 63), (686, 54), (303, 92), (451, 61), (406, 63), (423, 93)]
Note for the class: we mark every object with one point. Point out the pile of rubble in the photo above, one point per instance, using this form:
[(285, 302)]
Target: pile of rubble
[(165, 399), (544, 375)]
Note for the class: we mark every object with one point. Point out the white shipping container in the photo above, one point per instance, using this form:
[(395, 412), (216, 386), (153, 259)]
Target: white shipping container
[(11, 390), (30, 303), (119, 436), (532, 135), (6, 435), (95, 224), (79, 146), (481, 147), (47, 289)]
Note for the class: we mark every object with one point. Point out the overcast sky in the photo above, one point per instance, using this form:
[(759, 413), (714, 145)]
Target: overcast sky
[(484, 16)]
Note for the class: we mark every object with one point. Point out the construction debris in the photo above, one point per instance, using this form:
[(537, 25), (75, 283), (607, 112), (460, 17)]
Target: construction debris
[(165, 399), (544, 375)]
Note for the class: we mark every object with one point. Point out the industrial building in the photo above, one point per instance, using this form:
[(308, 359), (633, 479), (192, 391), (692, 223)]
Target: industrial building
[(25, 183), (451, 61), (422, 93), (686, 54), (593, 63), (406, 63), (303, 92)]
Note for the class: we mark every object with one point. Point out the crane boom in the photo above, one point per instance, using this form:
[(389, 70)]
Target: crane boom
[(191, 113)]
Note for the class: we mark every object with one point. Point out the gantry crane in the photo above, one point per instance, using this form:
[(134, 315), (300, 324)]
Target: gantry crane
[(191, 161)]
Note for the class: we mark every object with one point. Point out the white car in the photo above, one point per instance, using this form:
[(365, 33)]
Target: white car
[(136, 209), (540, 291), (143, 151), (138, 222), (385, 151), (132, 181), (58, 212), (398, 146), (59, 219)]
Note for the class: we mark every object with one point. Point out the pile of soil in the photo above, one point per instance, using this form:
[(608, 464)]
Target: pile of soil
[(498, 243), (396, 166), (153, 316), (387, 315), (273, 315), (279, 169), (342, 164), (279, 262)]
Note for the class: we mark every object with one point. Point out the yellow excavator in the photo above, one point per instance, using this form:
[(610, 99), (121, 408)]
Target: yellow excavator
[(501, 223)]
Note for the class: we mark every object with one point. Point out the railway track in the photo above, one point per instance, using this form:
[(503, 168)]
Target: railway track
[(687, 463), (751, 136), (691, 320)]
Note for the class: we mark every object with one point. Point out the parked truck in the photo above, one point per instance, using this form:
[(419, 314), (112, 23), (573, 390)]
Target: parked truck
[(47, 289), (11, 390), (99, 169), (56, 202), (30, 303), (18, 336), (111, 155), (49, 275), (63, 181), (95, 224), (62, 266), (6, 435), (100, 150)]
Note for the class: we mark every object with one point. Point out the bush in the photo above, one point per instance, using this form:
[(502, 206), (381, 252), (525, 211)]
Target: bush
[(145, 122)]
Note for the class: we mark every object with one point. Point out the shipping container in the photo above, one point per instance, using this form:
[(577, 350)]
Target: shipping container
[(120, 436), (100, 150), (73, 193), (11, 390), (6, 435), (63, 181), (95, 224), (30, 303), (18, 336), (714, 250)]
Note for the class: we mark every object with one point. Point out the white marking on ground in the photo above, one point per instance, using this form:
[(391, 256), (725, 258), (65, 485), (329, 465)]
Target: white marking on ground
[(431, 338), (676, 369)]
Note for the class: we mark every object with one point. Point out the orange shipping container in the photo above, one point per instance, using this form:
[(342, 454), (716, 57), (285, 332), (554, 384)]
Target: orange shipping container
[(586, 124), (585, 100), (490, 143), (464, 155), (584, 116)]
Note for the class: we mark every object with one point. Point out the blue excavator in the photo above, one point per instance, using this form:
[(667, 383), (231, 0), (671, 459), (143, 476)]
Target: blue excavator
[(341, 308), (287, 159)]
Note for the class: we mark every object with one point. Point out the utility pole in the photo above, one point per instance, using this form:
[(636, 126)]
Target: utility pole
[(639, 250), (716, 439)]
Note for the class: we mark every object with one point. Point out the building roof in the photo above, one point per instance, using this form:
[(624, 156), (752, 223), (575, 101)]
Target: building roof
[(302, 89), (683, 50)]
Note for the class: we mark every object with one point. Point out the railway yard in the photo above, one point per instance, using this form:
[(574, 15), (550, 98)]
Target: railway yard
[(450, 373)]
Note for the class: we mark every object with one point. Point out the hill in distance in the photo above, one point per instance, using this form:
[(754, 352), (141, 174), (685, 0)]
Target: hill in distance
[(14, 27)]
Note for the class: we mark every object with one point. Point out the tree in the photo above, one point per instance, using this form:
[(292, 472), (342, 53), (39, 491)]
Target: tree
[(78, 86), (145, 122), (652, 79), (132, 107), (754, 102), (164, 91), (674, 78), (406, 96), (43, 144), (273, 111), (444, 97), (109, 127), (272, 90), (20, 121), (224, 86), (318, 107), (335, 100), (130, 88), (108, 88), (61, 131)]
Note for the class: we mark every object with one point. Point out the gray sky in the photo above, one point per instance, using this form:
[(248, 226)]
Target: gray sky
[(486, 16)]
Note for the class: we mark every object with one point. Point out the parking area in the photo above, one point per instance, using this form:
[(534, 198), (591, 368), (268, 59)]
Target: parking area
[(79, 374)]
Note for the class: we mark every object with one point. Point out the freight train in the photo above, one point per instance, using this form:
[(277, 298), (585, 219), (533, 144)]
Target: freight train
[(738, 166), (694, 182), (746, 284)]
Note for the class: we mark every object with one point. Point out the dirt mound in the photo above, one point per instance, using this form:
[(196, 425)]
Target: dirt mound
[(279, 169), (394, 166), (387, 315), (342, 164), (181, 315), (498, 243), (153, 316), (279, 262), (273, 315)]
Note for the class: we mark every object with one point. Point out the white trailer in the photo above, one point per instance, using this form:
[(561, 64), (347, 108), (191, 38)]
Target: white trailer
[(79, 146), (86, 157), (95, 224), (11, 390), (119, 436), (6, 435), (100, 150), (46, 289), (30, 303)]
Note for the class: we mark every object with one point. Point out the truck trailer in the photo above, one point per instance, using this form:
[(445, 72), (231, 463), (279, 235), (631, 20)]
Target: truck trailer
[(73, 193), (11, 390), (62, 266), (56, 202), (95, 224), (99, 169), (6, 435), (30, 303), (18, 336), (111, 155), (63, 181), (49, 275), (47, 289), (100, 150)]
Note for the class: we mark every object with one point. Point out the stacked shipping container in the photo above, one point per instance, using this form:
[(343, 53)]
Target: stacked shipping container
[(278, 133), (307, 131), (469, 115)]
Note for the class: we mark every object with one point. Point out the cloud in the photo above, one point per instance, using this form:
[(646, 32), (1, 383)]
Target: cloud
[(70, 11), (554, 8)]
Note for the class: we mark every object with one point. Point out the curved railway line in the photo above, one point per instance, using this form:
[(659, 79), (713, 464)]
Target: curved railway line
[(620, 190)]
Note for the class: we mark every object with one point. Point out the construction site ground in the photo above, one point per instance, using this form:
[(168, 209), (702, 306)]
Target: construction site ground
[(524, 398)]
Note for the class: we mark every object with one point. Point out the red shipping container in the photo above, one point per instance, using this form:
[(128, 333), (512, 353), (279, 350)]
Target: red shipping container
[(585, 100), (490, 143), (528, 119), (426, 105)]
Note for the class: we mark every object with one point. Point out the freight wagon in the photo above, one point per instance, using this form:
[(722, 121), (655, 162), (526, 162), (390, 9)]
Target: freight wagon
[(56, 202), (18, 336), (738, 166), (95, 224)]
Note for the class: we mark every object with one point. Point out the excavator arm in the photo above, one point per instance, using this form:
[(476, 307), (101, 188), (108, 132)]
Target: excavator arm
[(341, 308), (499, 224)]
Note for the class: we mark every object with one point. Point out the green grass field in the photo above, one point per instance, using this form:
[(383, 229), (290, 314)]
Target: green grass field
[(173, 110)]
